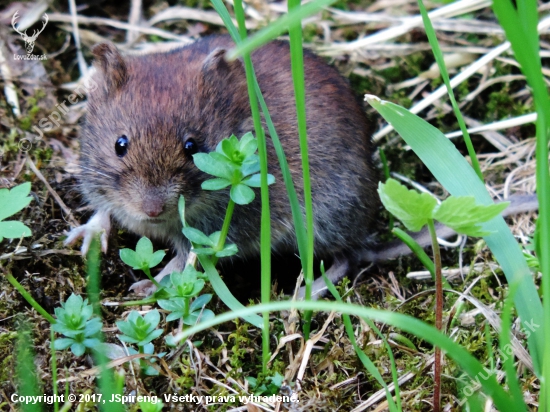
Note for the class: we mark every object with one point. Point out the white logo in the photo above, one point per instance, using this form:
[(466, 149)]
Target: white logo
[(29, 40)]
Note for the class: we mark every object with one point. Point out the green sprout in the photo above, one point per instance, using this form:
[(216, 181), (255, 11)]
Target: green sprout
[(143, 258), (74, 320), (185, 286)]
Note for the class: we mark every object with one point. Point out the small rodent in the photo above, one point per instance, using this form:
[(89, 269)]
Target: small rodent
[(151, 113)]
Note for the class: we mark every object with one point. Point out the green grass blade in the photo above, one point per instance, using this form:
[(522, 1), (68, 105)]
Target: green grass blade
[(507, 352), (30, 300), (105, 380), (278, 27), (223, 292), (460, 355), (298, 78), (520, 27), (25, 369), (265, 229), (367, 363), (453, 171), (53, 364), (432, 38)]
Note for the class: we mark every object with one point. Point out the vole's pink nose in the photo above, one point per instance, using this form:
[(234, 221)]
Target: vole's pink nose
[(152, 207)]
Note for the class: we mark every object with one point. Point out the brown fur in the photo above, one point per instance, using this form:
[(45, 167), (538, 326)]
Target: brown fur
[(158, 101)]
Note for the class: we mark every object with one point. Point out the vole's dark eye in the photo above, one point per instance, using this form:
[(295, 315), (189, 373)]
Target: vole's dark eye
[(190, 147), (121, 145)]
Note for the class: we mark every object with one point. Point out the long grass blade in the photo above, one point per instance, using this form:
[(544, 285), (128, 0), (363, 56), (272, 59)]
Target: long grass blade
[(520, 26), (278, 27), (432, 38), (409, 324)]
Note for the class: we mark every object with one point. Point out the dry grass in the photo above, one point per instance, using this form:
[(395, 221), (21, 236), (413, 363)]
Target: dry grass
[(382, 47)]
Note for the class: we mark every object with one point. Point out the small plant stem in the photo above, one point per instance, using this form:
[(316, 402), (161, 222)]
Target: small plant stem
[(151, 278), (142, 364), (298, 78), (225, 227), (186, 306), (138, 302), (265, 228), (438, 315), (94, 275), (54, 370), (105, 378), (29, 298)]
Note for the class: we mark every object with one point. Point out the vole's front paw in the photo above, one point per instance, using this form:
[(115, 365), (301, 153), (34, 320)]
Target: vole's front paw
[(146, 287), (98, 223)]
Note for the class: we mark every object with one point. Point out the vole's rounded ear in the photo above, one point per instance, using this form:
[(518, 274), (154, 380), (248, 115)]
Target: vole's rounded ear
[(110, 62), (216, 64)]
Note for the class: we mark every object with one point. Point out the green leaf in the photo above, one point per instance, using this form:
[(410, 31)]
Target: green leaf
[(196, 236), (228, 250), (255, 180), (251, 165), (156, 258), (464, 215), (144, 249), (210, 165), (197, 317), (13, 229), (201, 301), (130, 257), (248, 145), (205, 251), (215, 184), (242, 194), (78, 349), (62, 343), (410, 207), (12, 201)]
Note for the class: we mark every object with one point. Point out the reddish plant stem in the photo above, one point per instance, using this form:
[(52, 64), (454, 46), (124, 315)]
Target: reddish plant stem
[(438, 315)]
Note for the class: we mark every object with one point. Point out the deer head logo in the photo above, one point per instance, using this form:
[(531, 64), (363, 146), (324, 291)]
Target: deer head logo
[(29, 40)]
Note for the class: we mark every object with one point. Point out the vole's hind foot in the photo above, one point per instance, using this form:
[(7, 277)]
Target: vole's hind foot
[(340, 268), (100, 223), (146, 288)]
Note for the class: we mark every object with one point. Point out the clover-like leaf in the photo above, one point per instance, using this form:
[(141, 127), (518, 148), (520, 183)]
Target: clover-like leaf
[(130, 257), (144, 247), (12, 201), (13, 229), (241, 194), (410, 207), (463, 214)]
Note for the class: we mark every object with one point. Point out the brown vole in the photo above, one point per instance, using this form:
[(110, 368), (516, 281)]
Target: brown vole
[(151, 113)]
